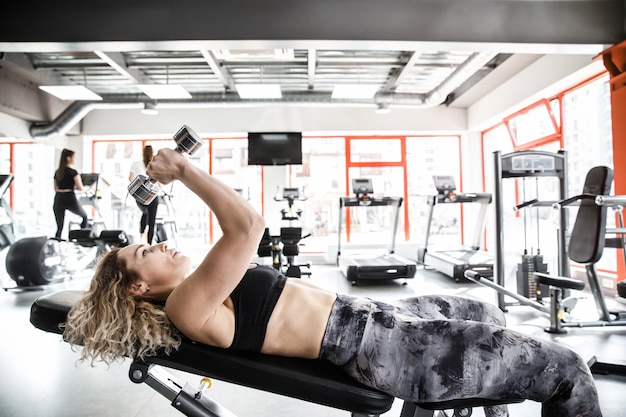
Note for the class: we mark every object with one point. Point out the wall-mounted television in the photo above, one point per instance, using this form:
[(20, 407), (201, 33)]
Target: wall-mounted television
[(274, 148)]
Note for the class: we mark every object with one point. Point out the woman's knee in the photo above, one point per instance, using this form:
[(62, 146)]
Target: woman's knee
[(453, 307), (464, 308), (494, 314)]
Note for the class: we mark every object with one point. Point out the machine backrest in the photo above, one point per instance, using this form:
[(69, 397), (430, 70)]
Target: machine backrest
[(589, 231)]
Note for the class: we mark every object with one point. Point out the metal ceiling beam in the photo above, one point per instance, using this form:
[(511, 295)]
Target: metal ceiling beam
[(220, 72), (311, 65), (581, 22), (396, 78), (117, 62)]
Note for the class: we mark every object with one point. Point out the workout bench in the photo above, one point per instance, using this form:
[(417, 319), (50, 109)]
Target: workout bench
[(314, 381)]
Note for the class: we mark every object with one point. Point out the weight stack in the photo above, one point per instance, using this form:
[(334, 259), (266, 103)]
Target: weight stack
[(526, 284)]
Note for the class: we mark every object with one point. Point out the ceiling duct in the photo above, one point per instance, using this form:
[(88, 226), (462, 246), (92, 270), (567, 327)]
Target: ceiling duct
[(73, 114), (78, 110), (463, 73)]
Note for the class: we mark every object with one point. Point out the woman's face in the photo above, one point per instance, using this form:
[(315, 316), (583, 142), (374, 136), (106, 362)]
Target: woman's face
[(159, 269)]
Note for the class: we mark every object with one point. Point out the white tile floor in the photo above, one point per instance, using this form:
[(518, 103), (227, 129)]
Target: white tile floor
[(39, 376)]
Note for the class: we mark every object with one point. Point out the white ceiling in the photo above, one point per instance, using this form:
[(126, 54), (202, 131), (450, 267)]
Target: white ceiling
[(416, 53)]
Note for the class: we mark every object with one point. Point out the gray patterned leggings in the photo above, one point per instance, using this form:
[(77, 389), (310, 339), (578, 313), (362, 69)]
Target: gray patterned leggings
[(439, 348)]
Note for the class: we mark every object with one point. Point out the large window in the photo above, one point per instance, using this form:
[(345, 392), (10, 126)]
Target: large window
[(322, 178), (578, 121), (533, 123), (427, 157), (587, 136), (380, 160), (32, 193), (329, 165), (587, 133)]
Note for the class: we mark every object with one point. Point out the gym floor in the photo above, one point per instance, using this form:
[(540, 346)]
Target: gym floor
[(40, 376)]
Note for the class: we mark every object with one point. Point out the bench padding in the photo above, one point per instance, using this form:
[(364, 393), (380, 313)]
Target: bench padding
[(309, 380)]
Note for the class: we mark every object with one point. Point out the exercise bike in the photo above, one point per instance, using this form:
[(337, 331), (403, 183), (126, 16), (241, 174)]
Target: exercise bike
[(285, 247)]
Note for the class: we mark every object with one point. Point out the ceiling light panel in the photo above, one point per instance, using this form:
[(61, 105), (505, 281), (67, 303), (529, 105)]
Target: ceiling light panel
[(71, 92), (164, 91), (354, 91), (254, 54), (259, 91)]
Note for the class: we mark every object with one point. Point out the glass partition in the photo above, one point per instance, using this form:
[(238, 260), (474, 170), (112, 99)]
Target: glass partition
[(427, 157)]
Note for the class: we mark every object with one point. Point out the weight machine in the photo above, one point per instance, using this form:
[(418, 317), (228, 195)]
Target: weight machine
[(528, 164), (285, 247), (586, 244)]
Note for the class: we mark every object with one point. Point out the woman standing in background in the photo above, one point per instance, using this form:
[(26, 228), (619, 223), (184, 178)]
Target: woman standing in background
[(66, 179), (148, 212)]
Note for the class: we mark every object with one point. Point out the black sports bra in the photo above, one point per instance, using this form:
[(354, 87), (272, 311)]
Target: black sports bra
[(254, 299)]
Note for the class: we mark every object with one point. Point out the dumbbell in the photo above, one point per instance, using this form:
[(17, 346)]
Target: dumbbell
[(145, 189)]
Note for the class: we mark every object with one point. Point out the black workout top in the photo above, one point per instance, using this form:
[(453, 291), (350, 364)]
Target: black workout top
[(67, 181), (254, 299)]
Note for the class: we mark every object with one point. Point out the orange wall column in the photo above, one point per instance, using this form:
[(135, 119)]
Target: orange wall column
[(615, 62)]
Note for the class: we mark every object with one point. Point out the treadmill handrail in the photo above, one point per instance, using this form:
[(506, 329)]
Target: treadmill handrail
[(351, 201), (484, 199), (8, 179)]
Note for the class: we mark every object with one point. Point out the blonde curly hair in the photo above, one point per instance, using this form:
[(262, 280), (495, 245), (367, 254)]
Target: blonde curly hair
[(110, 324)]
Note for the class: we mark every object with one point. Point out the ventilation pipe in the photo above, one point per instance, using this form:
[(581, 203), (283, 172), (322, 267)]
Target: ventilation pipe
[(78, 110), (74, 113), (462, 73)]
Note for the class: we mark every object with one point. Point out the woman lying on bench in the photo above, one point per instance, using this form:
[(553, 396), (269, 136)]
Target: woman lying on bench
[(423, 349)]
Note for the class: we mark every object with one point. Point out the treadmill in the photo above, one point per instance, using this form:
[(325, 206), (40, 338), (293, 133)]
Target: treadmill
[(388, 266), (455, 261)]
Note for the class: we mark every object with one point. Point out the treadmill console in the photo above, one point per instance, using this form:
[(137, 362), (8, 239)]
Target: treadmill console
[(446, 192), (362, 188), (291, 193), (89, 179), (444, 184)]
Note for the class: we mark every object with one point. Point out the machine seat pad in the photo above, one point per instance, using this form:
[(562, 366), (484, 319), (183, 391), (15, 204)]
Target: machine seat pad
[(561, 282), (306, 379)]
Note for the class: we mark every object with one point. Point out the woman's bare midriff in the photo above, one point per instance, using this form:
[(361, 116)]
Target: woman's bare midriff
[(298, 322)]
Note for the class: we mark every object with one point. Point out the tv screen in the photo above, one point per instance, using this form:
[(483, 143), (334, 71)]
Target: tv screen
[(274, 148)]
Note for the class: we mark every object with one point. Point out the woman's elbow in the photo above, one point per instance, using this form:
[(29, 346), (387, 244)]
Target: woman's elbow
[(258, 225)]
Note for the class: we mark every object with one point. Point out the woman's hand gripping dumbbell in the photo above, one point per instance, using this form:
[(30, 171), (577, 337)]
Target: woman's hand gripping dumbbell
[(145, 189)]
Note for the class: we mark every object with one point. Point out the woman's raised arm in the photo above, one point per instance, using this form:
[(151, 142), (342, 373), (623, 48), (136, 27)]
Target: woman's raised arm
[(196, 299)]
